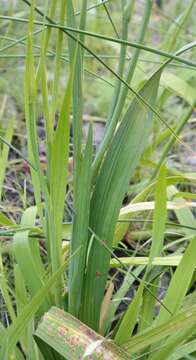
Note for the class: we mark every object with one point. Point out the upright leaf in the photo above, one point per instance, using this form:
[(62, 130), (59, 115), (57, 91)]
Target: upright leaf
[(4, 154), (118, 166), (159, 220), (80, 231)]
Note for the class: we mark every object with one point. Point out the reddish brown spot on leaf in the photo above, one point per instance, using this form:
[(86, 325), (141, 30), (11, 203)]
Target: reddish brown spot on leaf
[(98, 274), (62, 331)]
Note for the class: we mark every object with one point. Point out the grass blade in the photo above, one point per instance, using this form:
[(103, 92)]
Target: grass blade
[(115, 174), (4, 154), (130, 317), (80, 230), (159, 220), (27, 254)]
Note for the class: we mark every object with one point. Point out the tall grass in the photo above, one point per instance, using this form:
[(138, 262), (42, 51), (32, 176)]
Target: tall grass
[(69, 285)]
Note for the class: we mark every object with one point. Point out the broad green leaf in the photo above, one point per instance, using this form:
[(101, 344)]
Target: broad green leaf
[(61, 331)]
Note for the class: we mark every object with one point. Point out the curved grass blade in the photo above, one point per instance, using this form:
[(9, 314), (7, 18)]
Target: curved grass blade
[(27, 254)]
